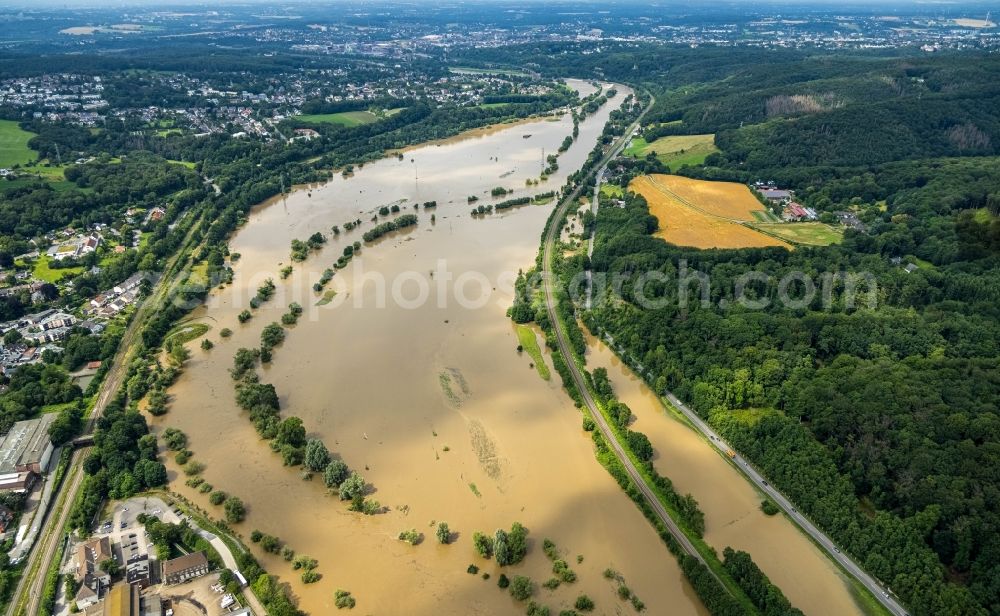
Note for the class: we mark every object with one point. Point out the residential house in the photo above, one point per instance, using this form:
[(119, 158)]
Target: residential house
[(132, 282), (89, 556), (154, 215), (46, 326)]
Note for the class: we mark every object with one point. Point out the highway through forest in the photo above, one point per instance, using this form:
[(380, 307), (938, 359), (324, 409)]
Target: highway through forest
[(848, 564), (548, 250), (743, 465)]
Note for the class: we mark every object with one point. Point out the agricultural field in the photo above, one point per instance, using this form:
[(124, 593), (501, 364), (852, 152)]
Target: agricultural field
[(766, 216), (14, 148), (346, 118), (705, 216), (724, 199), (675, 151), (807, 233)]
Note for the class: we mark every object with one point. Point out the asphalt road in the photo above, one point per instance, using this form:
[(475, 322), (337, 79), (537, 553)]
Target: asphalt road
[(54, 526), (879, 591), (550, 305)]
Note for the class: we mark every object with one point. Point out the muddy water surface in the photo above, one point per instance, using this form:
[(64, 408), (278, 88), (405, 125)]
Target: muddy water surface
[(425, 395), (731, 504)]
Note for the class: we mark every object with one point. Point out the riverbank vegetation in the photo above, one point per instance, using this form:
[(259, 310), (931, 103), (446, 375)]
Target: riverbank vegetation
[(767, 597), (832, 402), (505, 547), (826, 398), (288, 436), (528, 343), (718, 591), (400, 222)]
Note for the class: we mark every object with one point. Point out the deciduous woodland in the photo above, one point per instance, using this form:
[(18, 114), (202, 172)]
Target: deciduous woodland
[(875, 412), (880, 422)]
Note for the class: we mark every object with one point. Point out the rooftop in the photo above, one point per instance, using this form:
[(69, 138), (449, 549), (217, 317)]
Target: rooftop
[(183, 563), (25, 443), (91, 554), (122, 600)]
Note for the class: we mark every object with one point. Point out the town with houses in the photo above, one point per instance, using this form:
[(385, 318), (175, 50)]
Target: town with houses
[(117, 570), (26, 338), (122, 567), (203, 108), (423, 31), (41, 331)]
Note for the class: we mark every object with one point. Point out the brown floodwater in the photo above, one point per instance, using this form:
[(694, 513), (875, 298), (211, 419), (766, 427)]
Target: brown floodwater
[(425, 397), (731, 504)]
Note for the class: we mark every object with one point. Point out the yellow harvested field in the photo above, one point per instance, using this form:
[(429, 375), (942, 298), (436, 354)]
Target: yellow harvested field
[(726, 199), (694, 223)]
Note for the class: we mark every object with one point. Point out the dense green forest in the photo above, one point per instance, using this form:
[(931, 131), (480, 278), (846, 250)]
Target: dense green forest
[(106, 191), (126, 165), (904, 396), (880, 421)]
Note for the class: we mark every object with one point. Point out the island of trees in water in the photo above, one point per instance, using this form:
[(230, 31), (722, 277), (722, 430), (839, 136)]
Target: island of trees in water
[(881, 424)]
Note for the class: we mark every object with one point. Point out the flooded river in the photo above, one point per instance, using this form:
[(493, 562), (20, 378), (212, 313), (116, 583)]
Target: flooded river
[(411, 376), (731, 504), (427, 398)]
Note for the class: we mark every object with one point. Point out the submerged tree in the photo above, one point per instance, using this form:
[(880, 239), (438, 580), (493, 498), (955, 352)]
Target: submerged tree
[(443, 533), (317, 456)]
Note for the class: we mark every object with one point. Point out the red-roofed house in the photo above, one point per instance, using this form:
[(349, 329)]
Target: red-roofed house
[(794, 211)]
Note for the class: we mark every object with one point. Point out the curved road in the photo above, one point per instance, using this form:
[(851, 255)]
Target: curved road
[(53, 528), (548, 247), (877, 590)]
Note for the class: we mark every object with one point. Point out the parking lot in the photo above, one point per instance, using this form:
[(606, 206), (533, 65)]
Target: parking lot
[(199, 597)]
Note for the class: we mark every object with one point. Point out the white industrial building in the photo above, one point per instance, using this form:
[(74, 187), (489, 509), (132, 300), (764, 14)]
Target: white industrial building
[(25, 453)]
